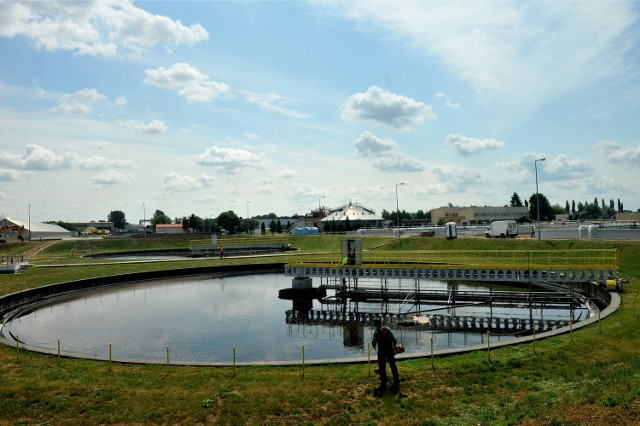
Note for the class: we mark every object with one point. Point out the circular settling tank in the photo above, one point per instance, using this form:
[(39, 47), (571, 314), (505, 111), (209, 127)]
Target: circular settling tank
[(232, 319)]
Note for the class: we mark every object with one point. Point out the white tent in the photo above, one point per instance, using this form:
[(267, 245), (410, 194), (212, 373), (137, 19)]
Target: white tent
[(37, 231)]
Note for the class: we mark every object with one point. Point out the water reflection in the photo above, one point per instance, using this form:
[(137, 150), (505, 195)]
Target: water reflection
[(204, 319)]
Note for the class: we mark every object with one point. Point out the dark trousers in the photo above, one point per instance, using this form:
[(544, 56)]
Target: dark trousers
[(383, 359)]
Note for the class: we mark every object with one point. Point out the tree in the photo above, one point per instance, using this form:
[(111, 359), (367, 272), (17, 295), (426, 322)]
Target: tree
[(159, 218), (515, 200), (272, 226), (566, 207), (185, 224), (262, 229), (195, 222), (278, 227), (229, 221), (546, 212), (118, 219)]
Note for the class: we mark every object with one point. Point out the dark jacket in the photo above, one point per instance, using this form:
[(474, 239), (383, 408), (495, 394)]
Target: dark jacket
[(384, 340)]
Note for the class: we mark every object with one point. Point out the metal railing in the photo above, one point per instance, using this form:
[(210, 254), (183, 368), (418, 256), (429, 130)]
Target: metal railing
[(480, 259)]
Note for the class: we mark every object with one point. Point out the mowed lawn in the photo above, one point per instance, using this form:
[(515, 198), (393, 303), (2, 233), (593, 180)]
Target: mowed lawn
[(588, 377)]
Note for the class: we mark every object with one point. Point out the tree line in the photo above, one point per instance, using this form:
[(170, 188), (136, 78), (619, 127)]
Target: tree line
[(233, 224)]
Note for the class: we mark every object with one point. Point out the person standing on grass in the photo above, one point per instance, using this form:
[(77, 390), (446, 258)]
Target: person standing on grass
[(384, 342), (221, 252)]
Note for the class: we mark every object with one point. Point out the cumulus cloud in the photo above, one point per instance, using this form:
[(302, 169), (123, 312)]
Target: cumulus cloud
[(287, 174), (616, 153), (399, 163), (507, 50), (111, 177), (180, 183), (273, 102), (153, 127), (93, 27), (187, 81), (456, 179), (120, 101), (229, 159), (9, 175), (467, 146), (389, 109), (562, 167), (37, 158), (370, 145), (79, 102)]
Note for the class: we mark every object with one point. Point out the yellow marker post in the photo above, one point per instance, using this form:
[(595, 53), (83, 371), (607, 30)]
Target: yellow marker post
[(534, 339), (433, 366), (303, 361)]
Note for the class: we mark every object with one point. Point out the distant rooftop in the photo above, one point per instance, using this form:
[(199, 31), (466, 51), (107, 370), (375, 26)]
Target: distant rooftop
[(352, 211)]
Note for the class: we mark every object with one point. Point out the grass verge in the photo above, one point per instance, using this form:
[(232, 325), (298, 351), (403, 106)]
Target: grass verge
[(592, 377)]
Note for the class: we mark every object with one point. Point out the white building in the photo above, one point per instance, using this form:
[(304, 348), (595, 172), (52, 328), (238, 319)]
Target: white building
[(32, 231)]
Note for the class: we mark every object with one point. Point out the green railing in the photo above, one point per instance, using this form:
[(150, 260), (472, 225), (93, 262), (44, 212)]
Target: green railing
[(481, 259), (243, 242)]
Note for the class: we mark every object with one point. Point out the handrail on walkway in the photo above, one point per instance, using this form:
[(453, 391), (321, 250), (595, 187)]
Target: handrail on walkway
[(480, 259), (242, 242)]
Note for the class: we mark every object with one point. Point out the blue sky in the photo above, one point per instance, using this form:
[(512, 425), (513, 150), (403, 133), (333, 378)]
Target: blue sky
[(203, 107)]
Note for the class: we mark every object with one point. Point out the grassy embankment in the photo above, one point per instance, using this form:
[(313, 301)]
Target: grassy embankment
[(589, 377)]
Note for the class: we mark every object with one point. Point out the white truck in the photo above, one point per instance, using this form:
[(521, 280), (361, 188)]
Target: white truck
[(502, 229)]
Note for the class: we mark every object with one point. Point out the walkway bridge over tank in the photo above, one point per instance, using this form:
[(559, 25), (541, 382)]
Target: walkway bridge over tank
[(438, 322), (559, 267)]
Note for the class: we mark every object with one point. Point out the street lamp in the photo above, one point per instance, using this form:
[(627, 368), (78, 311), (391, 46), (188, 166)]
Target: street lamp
[(319, 207), (144, 221), (398, 208), (535, 165)]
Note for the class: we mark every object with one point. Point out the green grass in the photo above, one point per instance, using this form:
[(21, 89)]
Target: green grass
[(589, 378)]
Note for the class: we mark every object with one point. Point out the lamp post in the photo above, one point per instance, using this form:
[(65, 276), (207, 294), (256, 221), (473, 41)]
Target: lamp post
[(144, 221), (398, 208), (535, 165), (319, 207), (29, 222)]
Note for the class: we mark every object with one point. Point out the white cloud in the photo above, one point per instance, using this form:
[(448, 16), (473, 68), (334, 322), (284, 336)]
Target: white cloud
[(111, 177), (399, 163), (187, 81), (229, 159), (9, 175), (370, 145), (287, 174), (273, 102), (617, 154), (467, 146), (78, 103), (381, 107), (453, 105), (456, 179), (37, 158), (519, 53), (153, 127), (120, 101), (93, 27), (562, 167), (176, 182)]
